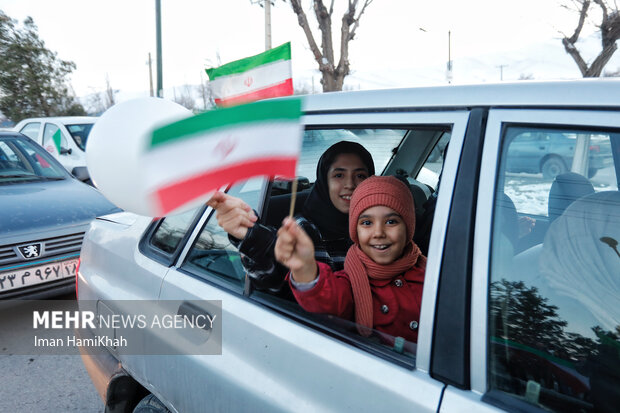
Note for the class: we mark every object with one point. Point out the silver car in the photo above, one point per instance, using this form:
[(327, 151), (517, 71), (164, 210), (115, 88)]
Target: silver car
[(521, 301)]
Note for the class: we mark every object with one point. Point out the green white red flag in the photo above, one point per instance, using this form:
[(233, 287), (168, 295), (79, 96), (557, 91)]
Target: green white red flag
[(265, 75), (53, 145), (186, 161)]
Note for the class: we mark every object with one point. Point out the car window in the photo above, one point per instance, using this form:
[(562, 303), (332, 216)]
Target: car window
[(79, 133), (171, 230), (554, 307), (212, 255), (48, 142), (379, 142), (431, 171), (31, 130), (22, 161)]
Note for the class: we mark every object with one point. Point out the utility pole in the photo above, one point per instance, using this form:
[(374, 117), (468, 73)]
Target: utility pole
[(160, 86), (449, 66), (267, 24), (501, 71), (150, 76)]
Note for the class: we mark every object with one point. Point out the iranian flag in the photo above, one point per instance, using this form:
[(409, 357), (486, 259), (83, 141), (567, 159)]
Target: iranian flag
[(186, 161), (53, 145), (265, 75)]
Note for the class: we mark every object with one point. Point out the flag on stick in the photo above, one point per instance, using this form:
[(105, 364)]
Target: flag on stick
[(187, 160), (265, 75)]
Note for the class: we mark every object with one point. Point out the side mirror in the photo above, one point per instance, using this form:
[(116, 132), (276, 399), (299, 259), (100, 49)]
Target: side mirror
[(65, 151), (81, 173)]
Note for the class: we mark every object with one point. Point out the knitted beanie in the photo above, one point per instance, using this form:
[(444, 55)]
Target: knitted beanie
[(382, 190)]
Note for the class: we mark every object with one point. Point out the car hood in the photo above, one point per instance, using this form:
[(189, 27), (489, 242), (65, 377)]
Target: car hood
[(48, 205)]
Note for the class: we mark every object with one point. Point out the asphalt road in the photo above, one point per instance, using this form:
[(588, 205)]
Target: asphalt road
[(45, 383)]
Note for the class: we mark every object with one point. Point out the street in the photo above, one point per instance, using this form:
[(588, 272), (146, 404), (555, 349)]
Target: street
[(45, 383)]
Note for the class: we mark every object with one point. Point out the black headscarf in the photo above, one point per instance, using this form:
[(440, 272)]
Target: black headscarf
[(318, 208)]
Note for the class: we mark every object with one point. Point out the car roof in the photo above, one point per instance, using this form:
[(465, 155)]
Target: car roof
[(65, 120), (582, 93)]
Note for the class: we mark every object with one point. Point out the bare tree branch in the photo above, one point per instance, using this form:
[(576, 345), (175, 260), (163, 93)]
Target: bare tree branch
[(582, 17), (610, 33), (325, 25), (303, 22)]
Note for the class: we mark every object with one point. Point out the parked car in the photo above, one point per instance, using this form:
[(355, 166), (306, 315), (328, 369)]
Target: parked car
[(44, 212), (520, 309), (72, 133), (552, 154)]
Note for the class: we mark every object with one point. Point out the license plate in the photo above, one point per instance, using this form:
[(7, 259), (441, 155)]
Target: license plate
[(23, 277)]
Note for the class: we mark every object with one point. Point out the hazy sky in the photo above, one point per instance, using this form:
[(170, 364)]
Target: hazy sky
[(399, 42)]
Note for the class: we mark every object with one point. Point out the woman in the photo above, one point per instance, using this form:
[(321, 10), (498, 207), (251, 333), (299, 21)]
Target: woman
[(325, 216)]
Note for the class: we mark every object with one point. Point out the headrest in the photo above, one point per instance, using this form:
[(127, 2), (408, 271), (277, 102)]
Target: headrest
[(566, 189)]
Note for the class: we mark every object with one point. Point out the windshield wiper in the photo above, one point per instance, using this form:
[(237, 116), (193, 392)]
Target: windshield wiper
[(18, 176)]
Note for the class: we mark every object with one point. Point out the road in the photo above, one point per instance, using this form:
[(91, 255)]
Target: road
[(45, 383)]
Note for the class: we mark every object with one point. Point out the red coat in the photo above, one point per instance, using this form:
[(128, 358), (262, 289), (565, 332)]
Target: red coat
[(396, 302)]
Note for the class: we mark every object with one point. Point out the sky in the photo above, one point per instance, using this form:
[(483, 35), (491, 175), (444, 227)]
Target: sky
[(399, 43)]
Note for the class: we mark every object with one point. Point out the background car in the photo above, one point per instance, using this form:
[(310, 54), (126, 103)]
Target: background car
[(44, 212), (520, 305), (74, 131), (552, 154)]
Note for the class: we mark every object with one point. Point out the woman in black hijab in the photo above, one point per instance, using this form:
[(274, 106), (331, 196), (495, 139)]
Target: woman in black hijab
[(325, 216)]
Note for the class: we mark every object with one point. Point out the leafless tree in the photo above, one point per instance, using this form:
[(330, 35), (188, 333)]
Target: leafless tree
[(185, 97), (333, 73), (610, 33)]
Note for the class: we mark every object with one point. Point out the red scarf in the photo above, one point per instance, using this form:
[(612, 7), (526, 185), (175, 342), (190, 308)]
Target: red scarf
[(359, 267)]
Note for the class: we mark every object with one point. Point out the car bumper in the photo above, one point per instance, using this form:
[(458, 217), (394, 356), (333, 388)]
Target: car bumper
[(102, 367), (41, 291)]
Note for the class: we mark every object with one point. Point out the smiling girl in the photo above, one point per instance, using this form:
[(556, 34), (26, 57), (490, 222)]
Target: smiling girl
[(381, 284)]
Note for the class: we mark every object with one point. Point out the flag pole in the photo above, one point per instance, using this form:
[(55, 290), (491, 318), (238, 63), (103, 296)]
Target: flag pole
[(293, 197)]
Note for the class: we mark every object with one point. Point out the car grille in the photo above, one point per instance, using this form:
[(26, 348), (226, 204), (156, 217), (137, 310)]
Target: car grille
[(50, 247)]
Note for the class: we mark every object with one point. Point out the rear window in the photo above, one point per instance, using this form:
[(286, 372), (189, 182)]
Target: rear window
[(79, 133)]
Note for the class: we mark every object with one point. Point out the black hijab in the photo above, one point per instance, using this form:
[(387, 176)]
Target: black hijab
[(318, 208)]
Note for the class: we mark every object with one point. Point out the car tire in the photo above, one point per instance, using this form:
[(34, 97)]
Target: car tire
[(150, 404), (592, 172), (553, 167)]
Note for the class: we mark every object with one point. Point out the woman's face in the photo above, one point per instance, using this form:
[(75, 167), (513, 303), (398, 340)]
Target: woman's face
[(343, 176)]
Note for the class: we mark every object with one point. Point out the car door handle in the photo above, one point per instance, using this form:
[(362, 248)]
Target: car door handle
[(192, 311)]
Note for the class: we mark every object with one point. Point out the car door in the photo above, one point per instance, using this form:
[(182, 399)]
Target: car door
[(544, 288), (276, 357)]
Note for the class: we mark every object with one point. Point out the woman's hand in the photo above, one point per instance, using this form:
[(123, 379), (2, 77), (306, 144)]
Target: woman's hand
[(232, 214), (295, 250)]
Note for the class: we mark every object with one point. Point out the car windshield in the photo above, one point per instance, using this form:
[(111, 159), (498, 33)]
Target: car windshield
[(23, 161), (79, 133)]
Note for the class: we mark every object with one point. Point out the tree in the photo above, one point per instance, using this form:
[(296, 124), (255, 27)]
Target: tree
[(33, 81), (610, 33), (99, 102), (333, 73)]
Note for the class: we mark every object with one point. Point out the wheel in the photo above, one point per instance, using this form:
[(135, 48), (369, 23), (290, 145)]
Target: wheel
[(553, 167), (592, 172), (150, 404)]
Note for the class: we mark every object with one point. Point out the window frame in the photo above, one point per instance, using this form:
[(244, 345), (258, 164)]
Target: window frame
[(146, 247), (497, 121)]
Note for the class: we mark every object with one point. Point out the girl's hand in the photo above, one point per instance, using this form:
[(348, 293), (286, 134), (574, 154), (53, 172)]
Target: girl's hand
[(295, 250), (232, 214)]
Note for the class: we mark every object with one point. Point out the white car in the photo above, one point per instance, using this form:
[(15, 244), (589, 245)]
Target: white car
[(521, 302), (63, 137)]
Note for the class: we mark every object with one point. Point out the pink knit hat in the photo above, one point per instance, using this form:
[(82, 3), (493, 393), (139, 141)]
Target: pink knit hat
[(382, 190)]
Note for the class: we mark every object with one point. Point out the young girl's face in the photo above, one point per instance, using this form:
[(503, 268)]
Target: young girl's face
[(344, 175), (382, 234)]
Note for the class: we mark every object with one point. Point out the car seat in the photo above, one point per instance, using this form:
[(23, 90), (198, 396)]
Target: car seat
[(566, 189)]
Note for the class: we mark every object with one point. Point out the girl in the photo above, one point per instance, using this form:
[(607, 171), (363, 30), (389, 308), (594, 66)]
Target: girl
[(325, 215), (381, 284)]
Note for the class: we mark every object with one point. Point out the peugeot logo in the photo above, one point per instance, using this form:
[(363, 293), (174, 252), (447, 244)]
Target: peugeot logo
[(30, 251)]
